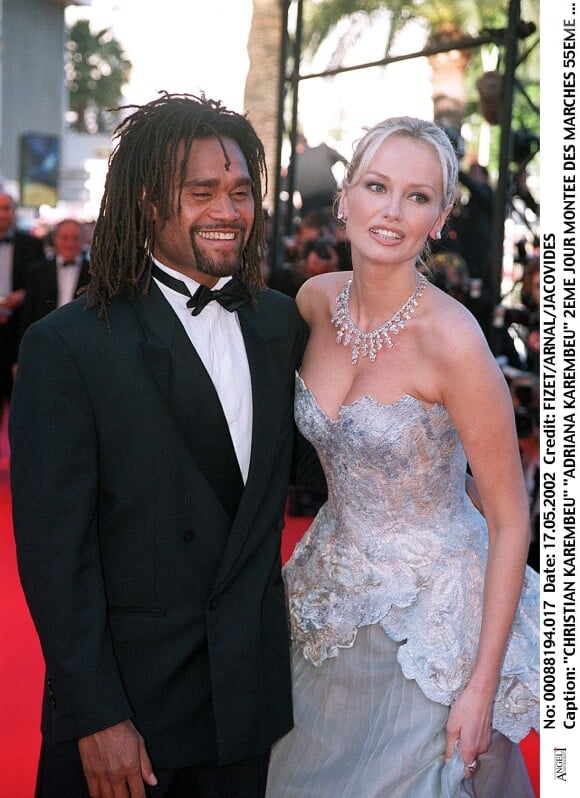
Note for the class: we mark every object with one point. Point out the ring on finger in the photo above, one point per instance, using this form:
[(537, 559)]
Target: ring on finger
[(472, 766)]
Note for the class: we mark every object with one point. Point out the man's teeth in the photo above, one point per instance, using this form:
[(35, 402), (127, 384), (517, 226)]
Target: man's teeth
[(386, 233), (217, 236)]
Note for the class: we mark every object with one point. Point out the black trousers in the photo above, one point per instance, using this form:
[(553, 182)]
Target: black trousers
[(60, 775)]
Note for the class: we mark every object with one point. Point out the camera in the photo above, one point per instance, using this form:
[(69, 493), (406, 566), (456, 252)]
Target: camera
[(504, 316), (322, 246), (525, 393), (525, 422)]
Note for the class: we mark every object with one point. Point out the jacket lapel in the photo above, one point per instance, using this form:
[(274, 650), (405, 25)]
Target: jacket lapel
[(268, 396), (190, 396)]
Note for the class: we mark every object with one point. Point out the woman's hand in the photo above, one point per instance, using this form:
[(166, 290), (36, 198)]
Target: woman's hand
[(469, 725)]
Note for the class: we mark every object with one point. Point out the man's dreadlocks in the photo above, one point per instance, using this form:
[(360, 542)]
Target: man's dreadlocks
[(145, 166)]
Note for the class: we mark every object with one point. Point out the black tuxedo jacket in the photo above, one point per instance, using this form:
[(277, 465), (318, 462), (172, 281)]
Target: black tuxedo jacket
[(42, 288), (156, 594), (26, 249)]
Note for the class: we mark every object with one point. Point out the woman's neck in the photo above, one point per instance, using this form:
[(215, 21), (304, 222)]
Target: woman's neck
[(376, 294)]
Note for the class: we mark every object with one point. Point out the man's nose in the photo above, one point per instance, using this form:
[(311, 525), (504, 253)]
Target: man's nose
[(224, 207)]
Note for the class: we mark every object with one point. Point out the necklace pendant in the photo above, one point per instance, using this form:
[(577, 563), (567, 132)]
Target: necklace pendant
[(368, 344)]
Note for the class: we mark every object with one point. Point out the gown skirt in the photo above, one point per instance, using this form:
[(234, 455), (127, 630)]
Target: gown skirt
[(363, 730)]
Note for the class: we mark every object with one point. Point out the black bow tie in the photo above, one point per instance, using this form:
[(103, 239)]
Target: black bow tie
[(69, 263), (6, 239), (231, 297)]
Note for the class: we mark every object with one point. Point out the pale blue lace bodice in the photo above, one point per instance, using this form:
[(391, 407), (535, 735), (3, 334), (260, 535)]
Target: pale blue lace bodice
[(399, 543)]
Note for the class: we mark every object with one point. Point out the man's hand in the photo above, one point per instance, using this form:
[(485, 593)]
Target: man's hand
[(9, 303), (115, 762)]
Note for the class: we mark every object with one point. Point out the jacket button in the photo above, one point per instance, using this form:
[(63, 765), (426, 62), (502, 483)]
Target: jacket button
[(214, 604), (188, 536)]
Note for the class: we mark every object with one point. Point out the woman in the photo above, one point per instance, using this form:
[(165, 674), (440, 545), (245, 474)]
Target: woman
[(414, 621)]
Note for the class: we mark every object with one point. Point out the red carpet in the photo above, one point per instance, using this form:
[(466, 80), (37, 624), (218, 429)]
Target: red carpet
[(21, 665)]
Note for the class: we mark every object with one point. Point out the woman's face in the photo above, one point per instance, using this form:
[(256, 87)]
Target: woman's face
[(396, 202)]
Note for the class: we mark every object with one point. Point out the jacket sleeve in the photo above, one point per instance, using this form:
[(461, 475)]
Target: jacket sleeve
[(54, 465)]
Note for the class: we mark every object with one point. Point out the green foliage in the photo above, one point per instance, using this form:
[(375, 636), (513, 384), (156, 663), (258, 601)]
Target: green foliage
[(466, 17), (96, 71), (469, 16)]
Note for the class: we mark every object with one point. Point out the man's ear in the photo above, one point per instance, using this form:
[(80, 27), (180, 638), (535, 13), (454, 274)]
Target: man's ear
[(152, 211)]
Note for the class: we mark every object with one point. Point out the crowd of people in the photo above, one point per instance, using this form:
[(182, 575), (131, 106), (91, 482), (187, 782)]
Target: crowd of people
[(193, 395)]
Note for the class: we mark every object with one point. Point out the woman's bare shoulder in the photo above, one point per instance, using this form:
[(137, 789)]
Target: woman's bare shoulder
[(447, 320), (319, 293)]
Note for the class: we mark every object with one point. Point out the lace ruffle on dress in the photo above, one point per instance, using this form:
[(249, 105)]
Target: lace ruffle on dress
[(399, 544)]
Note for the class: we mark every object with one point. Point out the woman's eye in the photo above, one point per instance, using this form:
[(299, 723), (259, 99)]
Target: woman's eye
[(376, 187), (420, 198)]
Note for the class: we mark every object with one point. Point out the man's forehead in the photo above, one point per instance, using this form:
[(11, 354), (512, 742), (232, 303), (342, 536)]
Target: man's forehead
[(209, 153)]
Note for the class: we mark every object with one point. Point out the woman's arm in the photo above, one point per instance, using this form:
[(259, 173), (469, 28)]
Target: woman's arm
[(477, 397)]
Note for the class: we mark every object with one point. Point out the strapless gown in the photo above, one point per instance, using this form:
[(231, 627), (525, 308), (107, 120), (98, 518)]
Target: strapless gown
[(385, 603)]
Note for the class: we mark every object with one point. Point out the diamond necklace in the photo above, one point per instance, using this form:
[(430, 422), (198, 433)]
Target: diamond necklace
[(369, 343)]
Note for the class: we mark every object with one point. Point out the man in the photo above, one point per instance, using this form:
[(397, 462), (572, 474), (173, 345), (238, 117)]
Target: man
[(17, 249), (148, 534), (474, 228), (314, 176), (58, 277)]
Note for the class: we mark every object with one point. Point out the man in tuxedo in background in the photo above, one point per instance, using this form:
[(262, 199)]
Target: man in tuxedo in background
[(17, 250), (59, 276), (151, 433)]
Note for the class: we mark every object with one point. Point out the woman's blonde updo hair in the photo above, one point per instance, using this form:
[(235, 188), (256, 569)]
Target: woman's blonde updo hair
[(406, 127)]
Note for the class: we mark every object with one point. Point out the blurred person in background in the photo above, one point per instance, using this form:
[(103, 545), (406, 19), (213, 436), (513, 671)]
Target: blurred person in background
[(311, 250), (516, 328), (17, 250), (314, 176), (58, 277)]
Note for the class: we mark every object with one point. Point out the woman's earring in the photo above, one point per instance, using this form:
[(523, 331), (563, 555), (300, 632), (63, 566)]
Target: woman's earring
[(340, 216), (438, 235)]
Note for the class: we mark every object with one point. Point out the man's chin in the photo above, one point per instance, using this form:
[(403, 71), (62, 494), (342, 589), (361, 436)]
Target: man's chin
[(221, 271), (218, 267)]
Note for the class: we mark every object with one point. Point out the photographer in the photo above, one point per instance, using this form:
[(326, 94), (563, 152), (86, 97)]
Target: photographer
[(521, 323), (310, 251)]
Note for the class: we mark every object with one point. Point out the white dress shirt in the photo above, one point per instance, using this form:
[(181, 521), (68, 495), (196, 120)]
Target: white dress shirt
[(217, 338), (67, 278)]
